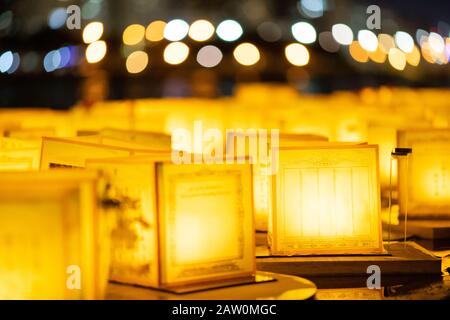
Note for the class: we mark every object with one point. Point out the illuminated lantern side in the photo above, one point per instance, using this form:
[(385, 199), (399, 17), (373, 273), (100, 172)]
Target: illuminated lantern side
[(18, 155), (180, 224), (73, 152), (326, 201), (52, 236), (424, 181), (154, 140)]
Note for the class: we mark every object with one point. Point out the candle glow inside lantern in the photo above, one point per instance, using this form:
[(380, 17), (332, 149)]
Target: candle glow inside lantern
[(180, 225), (326, 201), (424, 180), (52, 236)]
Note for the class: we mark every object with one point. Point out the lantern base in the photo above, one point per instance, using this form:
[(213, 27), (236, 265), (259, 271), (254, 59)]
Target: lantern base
[(425, 229), (256, 279), (403, 258)]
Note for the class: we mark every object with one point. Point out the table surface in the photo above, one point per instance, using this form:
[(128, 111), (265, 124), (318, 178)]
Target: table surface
[(328, 288)]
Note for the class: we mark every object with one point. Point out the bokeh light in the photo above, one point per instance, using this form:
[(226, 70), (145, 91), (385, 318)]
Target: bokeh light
[(6, 61), (269, 31), (378, 56), (413, 57), (327, 42), (404, 41), (92, 32), (176, 53), (397, 59), (96, 51), (246, 54), (368, 40), (15, 64), (176, 30), (304, 32), (342, 34), (57, 18), (229, 30), (386, 42), (209, 56), (133, 34), (201, 30), (312, 8), (358, 53), (137, 62), (155, 31), (297, 54), (436, 42)]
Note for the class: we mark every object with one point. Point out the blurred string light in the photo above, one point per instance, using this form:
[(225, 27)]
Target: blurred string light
[(52, 60), (176, 53), (209, 56), (269, 31), (201, 30), (91, 9), (312, 8), (436, 42), (92, 32), (358, 53), (15, 65), (58, 59), (427, 52), (246, 54), (386, 42), (6, 61), (378, 56), (137, 62), (96, 51), (176, 30), (57, 18), (297, 54), (413, 57), (133, 34), (368, 40), (404, 41), (397, 59), (229, 30), (342, 34), (304, 32), (421, 36), (6, 19), (327, 42), (155, 31)]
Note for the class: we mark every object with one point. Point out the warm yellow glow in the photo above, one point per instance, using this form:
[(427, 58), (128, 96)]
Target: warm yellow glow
[(35, 261), (176, 53), (201, 30), (133, 34), (397, 59), (92, 32), (424, 181), (155, 31), (327, 201), (96, 51), (436, 42), (246, 54), (358, 53), (413, 58), (386, 42), (368, 40), (378, 56), (297, 54), (427, 53), (137, 62)]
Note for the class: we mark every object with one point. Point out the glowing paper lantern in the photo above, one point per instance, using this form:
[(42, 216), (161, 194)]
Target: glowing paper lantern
[(326, 201), (53, 242), (18, 155), (73, 152), (424, 181), (179, 224)]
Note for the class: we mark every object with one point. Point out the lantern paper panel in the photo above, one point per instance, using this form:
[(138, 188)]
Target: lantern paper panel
[(424, 180), (50, 224), (326, 201), (201, 231), (18, 155), (73, 152), (155, 140)]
